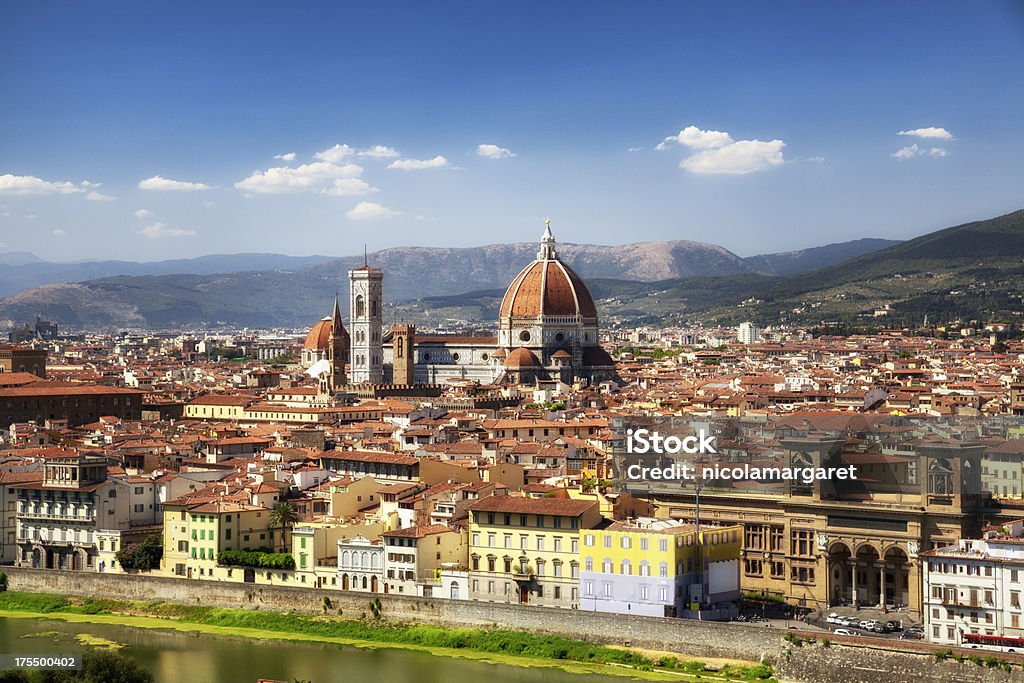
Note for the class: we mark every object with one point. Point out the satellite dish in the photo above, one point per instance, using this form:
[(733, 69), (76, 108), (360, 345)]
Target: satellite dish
[(318, 368)]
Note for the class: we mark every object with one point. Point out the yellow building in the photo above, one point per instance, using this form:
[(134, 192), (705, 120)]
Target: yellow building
[(658, 567), (526, 550), (194, 535), (218, 407)]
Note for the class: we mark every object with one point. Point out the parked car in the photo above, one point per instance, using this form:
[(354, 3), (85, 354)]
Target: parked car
[(912, 634), (866, 624), (894, 625), (879, 627), (833, 618), (843, 632), (847, 621)]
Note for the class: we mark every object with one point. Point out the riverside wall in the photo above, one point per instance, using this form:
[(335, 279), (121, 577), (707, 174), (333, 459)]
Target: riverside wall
[(810, 663)]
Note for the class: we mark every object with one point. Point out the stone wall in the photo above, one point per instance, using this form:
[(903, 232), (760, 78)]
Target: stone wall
[(860, 661)]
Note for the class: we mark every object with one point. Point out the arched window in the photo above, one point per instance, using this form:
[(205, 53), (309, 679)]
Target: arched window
[(360, 306), (400, 348)]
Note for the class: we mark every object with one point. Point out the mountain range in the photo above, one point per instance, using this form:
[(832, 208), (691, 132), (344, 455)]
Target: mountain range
[(973, 271), (265, 290)]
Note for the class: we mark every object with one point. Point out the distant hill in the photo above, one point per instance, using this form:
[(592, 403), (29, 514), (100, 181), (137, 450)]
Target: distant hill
[(298, 295), (973, 271), (641, 282), (815, 258), (28, 271), (18, 258)]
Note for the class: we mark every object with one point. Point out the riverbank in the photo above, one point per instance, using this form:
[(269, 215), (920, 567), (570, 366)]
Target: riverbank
[(493, 645)]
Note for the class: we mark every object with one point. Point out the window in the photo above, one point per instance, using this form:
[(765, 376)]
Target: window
[(574, 545), (607, 541), (588, 564), (643, 543), (663, 545), (558, 545), (802, 542), (626, 542), (643, 591), (663, 570), (588, 588), (540, 543), (588, 540)]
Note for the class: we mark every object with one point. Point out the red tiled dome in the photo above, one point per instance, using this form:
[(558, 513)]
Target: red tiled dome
[(522, 358), (547, 287), (319, 337)]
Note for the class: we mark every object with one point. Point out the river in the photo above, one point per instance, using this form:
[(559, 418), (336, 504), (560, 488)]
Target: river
[(180, 657)]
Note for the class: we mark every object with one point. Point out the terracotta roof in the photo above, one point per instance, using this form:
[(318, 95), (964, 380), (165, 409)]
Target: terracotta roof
[(564, 507), (418, 531), (522, 358)]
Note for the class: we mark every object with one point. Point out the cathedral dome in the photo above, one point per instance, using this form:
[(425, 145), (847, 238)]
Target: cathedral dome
[(522, 358), (319, 338), (547, 287)]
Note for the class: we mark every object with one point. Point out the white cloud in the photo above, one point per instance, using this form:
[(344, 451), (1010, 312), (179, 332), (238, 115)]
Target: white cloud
[(57, 232), (159, 231), (743, 156), (162, 184), (143, 213), (494, 152), (379, 152), (95, 196), (334, 154), (913, 150), (930, 132), (307, 177), (695, 138), (368, 211), (347, 187), (634, 149), (419, 164), (290, 156), (31, 185)]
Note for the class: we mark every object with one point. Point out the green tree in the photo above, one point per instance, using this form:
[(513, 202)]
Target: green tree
[(283, 516), (143, 556)]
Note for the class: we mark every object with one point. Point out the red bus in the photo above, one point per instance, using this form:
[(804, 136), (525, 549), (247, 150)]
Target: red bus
[(993, 642)]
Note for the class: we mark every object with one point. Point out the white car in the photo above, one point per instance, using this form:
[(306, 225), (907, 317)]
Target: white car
[(843, 632), (833, 618)]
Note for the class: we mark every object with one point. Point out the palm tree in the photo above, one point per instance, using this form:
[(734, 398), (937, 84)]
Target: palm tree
[(283, 516)]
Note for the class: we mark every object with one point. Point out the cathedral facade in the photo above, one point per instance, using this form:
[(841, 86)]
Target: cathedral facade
[(547, 333)]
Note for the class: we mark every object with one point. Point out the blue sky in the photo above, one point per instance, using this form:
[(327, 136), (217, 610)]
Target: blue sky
[(147, 131)]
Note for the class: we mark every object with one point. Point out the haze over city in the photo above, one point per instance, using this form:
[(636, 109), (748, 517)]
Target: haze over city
[(149, 132)]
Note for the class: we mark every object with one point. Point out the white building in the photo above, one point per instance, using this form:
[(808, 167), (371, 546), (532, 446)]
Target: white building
[(360, 565), (748, 333), (972, 590)]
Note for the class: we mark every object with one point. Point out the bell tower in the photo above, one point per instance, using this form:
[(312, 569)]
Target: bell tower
[(367, 355)]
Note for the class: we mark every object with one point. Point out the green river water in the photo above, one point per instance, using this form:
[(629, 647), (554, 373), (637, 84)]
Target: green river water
[(180, 657)]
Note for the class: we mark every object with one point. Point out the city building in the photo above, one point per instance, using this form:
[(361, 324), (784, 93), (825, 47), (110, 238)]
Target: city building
[(659, 568), (526, 550), (972, 589)]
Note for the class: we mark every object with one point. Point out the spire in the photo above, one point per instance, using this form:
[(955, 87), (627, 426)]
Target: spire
[(336, 313), (366, 263), (547, 244)]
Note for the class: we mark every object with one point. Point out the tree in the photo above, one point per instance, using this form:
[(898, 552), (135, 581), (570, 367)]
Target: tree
[(283, 516), (143, 556)]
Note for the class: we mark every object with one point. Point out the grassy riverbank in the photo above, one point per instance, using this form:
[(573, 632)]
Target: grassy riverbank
[(495, 645)]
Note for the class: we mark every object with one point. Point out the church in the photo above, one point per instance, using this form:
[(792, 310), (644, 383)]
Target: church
[(547, 333)]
